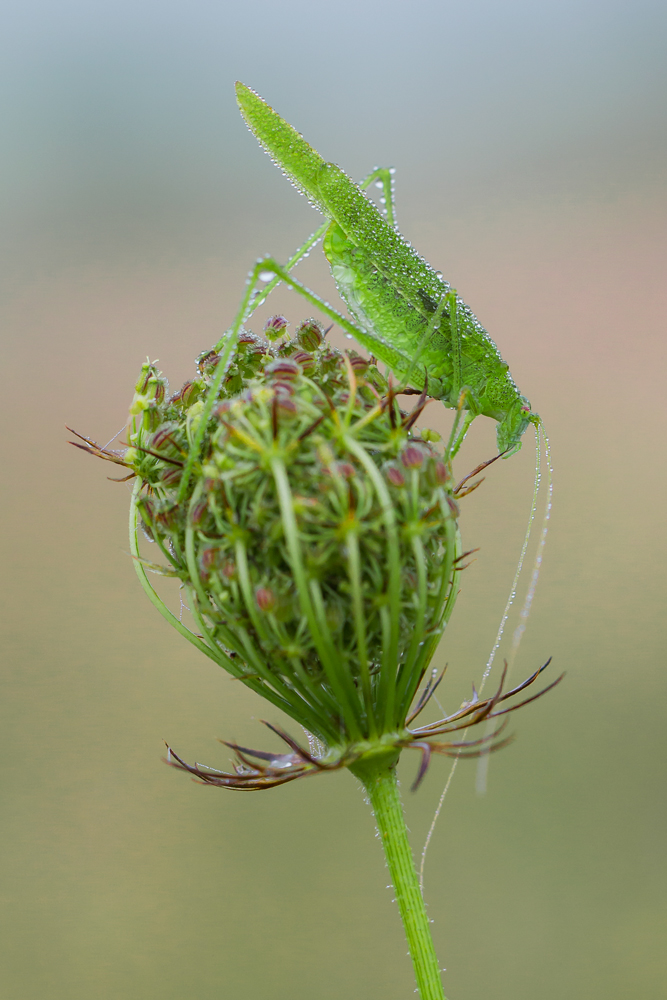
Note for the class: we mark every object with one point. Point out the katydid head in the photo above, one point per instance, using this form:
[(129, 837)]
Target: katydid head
[(513, 426)]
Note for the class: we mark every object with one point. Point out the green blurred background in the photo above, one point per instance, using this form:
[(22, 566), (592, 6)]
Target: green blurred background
[(529, 141)]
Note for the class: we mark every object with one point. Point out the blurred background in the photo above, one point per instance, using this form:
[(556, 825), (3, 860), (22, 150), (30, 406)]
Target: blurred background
[(529, 141)]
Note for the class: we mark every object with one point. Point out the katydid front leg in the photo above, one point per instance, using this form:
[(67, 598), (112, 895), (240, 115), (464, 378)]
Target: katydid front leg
[(393, 357), (258, 275), (383, 177), (459, 393)]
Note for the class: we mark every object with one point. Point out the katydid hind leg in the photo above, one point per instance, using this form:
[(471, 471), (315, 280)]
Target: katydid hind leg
[(457, 381), (426, 336), (460, 395)]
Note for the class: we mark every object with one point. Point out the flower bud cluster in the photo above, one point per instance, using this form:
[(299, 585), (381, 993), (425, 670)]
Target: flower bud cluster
[(313, 526)]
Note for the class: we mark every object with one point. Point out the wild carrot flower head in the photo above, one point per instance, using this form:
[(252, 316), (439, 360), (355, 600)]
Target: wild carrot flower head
[(317, 534), (314, 529)]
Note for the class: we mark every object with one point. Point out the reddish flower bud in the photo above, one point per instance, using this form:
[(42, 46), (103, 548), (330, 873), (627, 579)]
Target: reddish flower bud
[(188, 395), (453, 506), (359, 364), (305, 361), (265, 599), (207, 363), (330, 361), (285, 403), (345, 469), (198, 511), (285, 368), (167, 518), (283, 388), (395, 476), (147, 372), (156, 389), (275, 327), (207, 561), (229, 570), (163, 440), (441, 474), (412, 457), (310, 335), (147, 511), (170, 475)]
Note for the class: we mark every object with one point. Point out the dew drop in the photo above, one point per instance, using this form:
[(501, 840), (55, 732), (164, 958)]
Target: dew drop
[(349, 336), (265, 275)]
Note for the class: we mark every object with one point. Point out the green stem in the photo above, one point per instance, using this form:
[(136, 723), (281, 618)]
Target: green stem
[(380, 782)]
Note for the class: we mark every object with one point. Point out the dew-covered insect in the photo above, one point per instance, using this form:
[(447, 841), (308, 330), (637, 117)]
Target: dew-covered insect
[(407, 315)]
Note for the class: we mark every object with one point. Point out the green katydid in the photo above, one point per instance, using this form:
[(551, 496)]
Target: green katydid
[(407, 315)]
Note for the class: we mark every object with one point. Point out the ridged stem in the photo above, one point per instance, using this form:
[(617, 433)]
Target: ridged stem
[(380, 782)]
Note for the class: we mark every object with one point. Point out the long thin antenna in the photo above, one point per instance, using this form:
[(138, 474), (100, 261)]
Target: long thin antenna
[(525, 611), (483, 763)]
